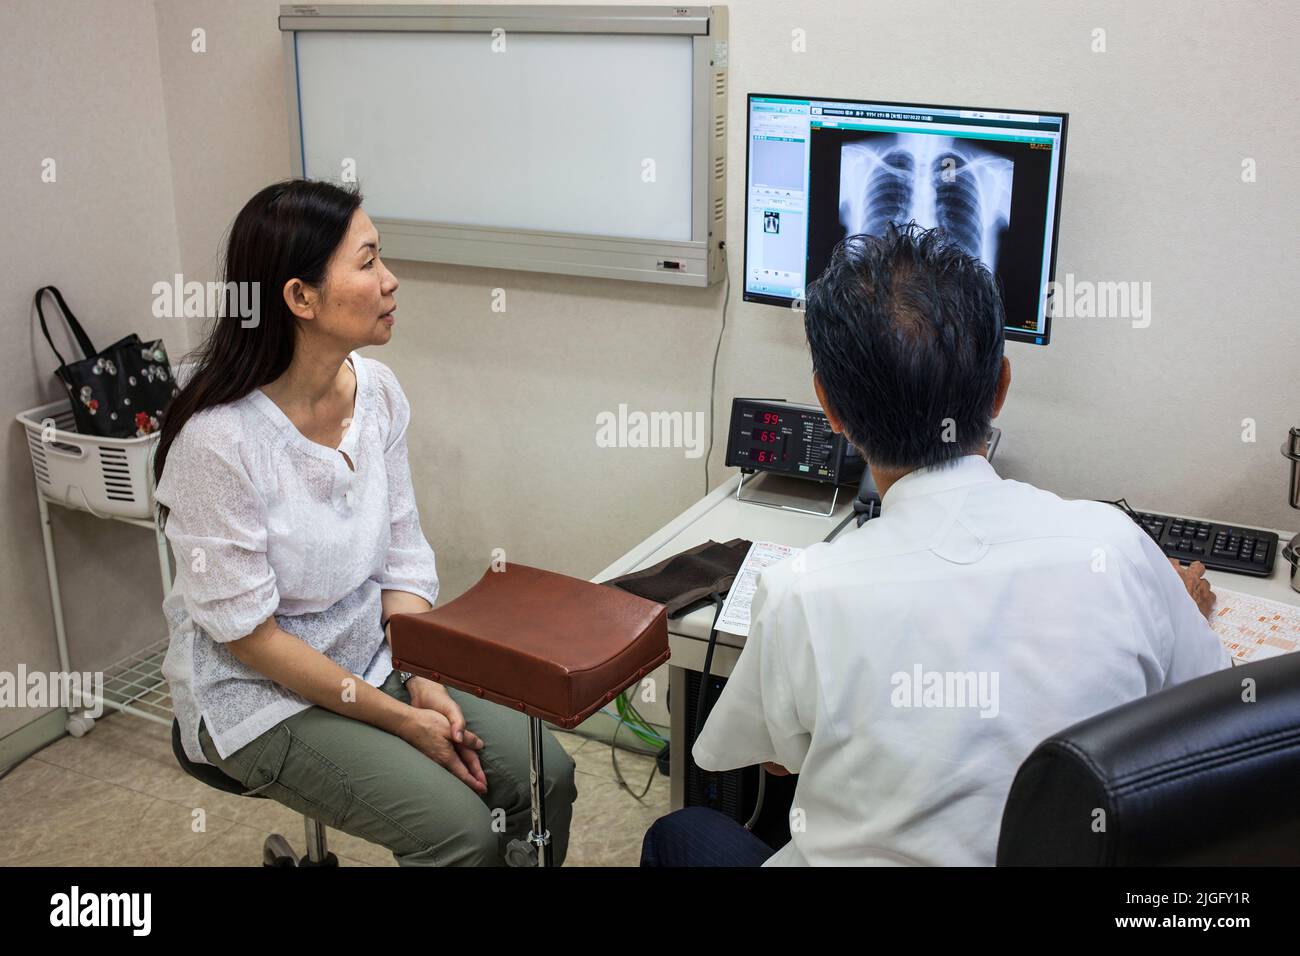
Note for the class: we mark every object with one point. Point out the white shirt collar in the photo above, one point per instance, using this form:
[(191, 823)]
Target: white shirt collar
[(966, 470)]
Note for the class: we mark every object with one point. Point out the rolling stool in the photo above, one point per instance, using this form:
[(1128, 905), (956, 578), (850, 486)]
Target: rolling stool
[(555, 647), (276, 851)]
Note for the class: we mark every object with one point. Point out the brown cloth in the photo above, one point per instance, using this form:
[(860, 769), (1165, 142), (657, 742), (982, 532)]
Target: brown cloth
[(688, 579)]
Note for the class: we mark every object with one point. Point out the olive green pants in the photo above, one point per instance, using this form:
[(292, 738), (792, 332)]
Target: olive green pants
[(362, 780)]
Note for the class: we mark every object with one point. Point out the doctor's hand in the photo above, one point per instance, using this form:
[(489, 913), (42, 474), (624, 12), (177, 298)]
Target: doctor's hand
[(776, 770), (1194, 579)]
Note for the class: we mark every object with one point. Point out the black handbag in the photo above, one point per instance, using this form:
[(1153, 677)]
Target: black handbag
[(120, 392)]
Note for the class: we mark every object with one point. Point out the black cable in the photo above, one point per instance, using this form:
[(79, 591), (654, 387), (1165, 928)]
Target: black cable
[(758, 801), (839, 527), (713, 378), (719, 600), (699, 706), (708, 665), (618, 774), (869, 510)]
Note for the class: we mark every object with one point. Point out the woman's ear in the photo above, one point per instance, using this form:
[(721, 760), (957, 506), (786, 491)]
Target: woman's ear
[(300, 298)]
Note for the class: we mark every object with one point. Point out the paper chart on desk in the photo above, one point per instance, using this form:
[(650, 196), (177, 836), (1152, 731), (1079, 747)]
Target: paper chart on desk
[(1252, 628), (735, 611)]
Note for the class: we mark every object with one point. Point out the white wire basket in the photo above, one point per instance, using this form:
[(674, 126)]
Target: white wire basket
[(109, 477)]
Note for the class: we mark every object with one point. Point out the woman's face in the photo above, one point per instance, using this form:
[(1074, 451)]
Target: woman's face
[(357, 302)]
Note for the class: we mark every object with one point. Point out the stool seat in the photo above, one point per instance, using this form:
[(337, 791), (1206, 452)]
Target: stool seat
[(276, 850), (204, 772), (552, 646)]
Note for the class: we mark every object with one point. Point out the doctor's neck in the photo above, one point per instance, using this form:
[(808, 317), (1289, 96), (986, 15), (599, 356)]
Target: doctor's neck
[(885, 477)]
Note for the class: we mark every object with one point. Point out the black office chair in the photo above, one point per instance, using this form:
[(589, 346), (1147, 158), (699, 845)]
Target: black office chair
[(1192, 775), (276, 851)]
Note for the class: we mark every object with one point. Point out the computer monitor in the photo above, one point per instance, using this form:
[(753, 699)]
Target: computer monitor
[(820, 169)]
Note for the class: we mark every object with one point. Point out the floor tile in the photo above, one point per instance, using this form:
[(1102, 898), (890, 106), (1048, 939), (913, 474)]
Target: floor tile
[(117, 797)]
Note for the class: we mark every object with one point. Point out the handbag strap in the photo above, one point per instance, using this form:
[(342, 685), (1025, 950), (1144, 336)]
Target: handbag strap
[(78, 332)]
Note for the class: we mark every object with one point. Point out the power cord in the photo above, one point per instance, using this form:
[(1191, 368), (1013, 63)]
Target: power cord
[(708, 665), (758, 802), (638, 724), (629, 716), (838, 528), (862, 513), (618, 774), (699, 706), (713, 378)]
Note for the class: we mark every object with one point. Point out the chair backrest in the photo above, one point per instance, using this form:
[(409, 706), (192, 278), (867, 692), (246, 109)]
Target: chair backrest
[(203, 772), (1207, 772)]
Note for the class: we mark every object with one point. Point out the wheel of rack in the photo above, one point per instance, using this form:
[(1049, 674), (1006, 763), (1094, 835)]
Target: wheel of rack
[(110, 478)]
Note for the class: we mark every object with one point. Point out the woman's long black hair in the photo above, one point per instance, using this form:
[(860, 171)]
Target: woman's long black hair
[(288, 230)]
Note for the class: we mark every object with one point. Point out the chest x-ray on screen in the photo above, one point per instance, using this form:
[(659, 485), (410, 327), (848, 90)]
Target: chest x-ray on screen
[(942, 181)]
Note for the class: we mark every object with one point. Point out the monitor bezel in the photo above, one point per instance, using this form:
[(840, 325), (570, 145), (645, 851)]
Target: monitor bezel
[(788, 302)]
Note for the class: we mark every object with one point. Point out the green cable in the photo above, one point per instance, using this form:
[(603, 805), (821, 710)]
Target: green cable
[(630, 717), (636, 723), (632, 723)]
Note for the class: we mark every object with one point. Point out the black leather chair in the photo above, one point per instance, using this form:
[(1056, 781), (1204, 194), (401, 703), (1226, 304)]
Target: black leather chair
[(1192, 775), (276, 851)]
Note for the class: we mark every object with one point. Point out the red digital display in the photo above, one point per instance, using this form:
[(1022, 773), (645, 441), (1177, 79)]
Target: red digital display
[(796, 440)]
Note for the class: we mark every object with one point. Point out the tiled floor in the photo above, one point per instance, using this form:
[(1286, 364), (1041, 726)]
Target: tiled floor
[(116, 797)]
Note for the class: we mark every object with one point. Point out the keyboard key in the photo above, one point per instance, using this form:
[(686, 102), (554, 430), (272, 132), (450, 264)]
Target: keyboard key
[(1220, 547)]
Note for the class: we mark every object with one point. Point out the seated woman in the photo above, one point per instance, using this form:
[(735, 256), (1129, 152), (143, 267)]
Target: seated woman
[(283, 482)]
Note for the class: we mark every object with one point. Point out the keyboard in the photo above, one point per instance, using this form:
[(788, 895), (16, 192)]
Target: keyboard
[(1220, 547)]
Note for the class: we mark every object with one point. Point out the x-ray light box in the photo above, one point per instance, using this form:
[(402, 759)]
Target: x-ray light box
[(582, 140)]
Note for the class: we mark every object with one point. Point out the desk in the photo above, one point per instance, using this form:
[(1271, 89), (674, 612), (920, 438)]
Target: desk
[(720, 517)]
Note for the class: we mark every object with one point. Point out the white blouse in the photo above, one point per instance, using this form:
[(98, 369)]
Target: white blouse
[(265, 521)]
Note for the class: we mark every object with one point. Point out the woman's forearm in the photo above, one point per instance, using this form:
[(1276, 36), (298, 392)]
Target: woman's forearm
[(294, 664), (401, 602)]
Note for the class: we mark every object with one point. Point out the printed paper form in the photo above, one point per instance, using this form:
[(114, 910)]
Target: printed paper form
[(735, 611), (1253, 628)]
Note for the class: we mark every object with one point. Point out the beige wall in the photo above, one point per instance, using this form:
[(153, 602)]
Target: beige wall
[(82, 86), (503, 446)]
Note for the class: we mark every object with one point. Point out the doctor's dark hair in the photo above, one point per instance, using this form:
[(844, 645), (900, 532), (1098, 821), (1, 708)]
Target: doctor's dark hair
[(905, 331), (288, 230)]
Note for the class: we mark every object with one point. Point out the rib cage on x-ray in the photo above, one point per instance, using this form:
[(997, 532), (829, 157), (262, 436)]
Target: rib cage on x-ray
[(936, 180)]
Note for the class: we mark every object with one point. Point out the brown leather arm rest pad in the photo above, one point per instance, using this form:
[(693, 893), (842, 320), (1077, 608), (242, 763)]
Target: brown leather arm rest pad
[(550, 645)]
